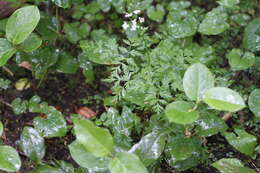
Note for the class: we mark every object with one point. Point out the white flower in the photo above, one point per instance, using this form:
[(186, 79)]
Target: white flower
[(128, 14), (125, 25), (134, 25), (141, 19), (137, 11)]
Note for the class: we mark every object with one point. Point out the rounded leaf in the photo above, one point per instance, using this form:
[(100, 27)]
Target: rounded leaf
[(254, 103), (31, 43), (180, 112), (127, 163), (6, 51), (224, 99), (22, 23), (9, 159), (32, 144), (96, 140), (197, 80)]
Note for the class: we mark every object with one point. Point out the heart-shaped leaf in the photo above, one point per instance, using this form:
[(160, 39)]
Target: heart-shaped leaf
[(9, 159), (224, 99), (96, 140), (197, 80), (126, 163), (180, 112), (32, 144), (22, 23), (239, 61)]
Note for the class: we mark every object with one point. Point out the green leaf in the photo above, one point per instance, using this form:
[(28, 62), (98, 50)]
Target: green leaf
[(31, 43), (251, 39), (96, 140), (4, 83), (9, 159), (156, 13), (210, 124), (53, 125), (32, 144), (1, 128), (47, 169), (126, 163), (85, 159), (180, 112), (214, 22), (231, 165), (229, 3), (22, 23), (62, 3), (76, 31), (242, 141), (254, 103), (197, 80), (225, 99), (19, 106), (184, 153), (149, 148), (239, 60), (181, 24), (67, 63), (6, 51)]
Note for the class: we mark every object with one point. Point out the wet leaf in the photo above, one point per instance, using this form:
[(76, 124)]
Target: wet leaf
[(239, 60), (197, 80), (180, 112), (242, 141), (214, 22), (126, 163), (229, 3), (46, 169), (76, 31), (85, 159), (32, 42), (6, 51), (32, 144), (86, 112), (251, 39), (225, 99), (156, 13), (96, 140), (9, 159), (231, 165), (254, 103), (149, 148), (210, 124), (62, 3), (53, 125), (22, 23), (19, 106)]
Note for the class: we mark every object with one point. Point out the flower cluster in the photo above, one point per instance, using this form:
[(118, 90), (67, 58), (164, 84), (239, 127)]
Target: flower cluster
[(133, 24)]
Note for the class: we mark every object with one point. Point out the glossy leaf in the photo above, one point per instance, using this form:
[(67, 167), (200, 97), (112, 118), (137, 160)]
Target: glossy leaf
[(62, 3), (251, 39), (214, 22), (19, 106), (210, 124), (197, 80), (180, 112), (231, 165), (32, 144), (96, 140), (229, 3), (6, 51), (224, 99), (9, 159), (52, 124), (85, 159), (126, 163), (242, 141), (1, 128), (22, 23), (149, 148), (46, 169), (239, 60), (31, 43), (254, 103)]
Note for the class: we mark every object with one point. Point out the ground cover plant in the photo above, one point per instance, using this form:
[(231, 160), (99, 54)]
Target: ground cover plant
[(129, 86)]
